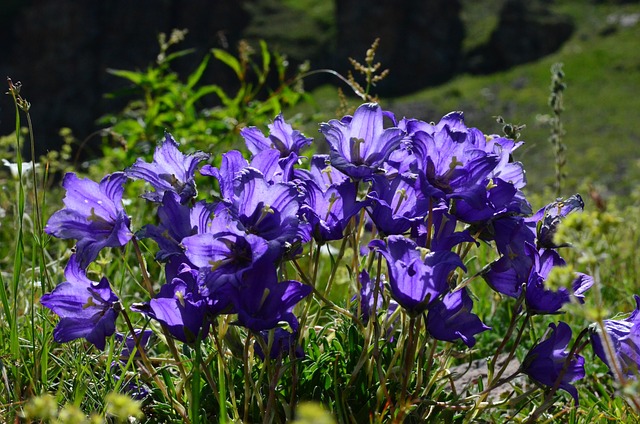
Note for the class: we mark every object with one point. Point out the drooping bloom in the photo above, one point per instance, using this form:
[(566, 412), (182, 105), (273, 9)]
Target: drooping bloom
[(283, 342), (262, 302), (87, 309), (539, 298), (416, 278), (129, 342), (282, 137), (179, 305), (625, 338), (513, 233), (93, 215), (170, 170), (547, 360), (507, 274), (451, 318), (360, 144)]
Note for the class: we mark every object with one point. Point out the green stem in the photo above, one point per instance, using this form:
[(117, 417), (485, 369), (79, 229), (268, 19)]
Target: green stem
[(143, 267), (222, 386), (179, 408), (491, 365), (247, 377), (149, 286), (320, 296), (195, 384)]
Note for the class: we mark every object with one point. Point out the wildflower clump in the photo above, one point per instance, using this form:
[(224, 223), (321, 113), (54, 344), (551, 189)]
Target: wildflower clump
[(274, 264)]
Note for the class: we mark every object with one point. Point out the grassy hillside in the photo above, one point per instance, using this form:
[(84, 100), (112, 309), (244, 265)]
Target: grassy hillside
[(602, 67)]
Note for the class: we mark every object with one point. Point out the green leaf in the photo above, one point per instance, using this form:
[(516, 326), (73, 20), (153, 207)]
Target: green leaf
[(228, 60), (176, 55), (207, 89), (266, 57), (197, 74), (134, 77)]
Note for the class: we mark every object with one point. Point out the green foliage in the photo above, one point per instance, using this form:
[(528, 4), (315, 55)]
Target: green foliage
[(162, 101)]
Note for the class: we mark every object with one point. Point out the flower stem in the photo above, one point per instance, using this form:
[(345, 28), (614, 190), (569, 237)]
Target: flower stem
[(178, 407)]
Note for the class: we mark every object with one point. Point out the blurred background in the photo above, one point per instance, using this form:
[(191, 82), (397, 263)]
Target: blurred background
[(486, 57)]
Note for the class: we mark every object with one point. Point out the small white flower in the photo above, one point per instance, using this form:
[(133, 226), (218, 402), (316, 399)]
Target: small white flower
[(13, 167)]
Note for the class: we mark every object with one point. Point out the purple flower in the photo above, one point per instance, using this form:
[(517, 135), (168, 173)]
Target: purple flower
[(282, 137), (442, 234), (547, 361), (274, 168), (232, 163), (396, 205), (540, 299), (500, 198), (459, 164), (507, 274), (367, 297), (323, 174), (262, 302), (223, 257), (284, 341), (93, 215), (451, 318), (170, 171), (129, 342), (87, 309), (328, 211), (267, 210), (625, 338), (416, 278), (451, 165), (179, 306), (360, 144), (178, 221)]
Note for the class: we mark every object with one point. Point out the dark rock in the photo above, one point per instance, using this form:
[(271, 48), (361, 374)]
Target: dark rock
[(302, 34), (420, 41), (60, 51), (526, 31)]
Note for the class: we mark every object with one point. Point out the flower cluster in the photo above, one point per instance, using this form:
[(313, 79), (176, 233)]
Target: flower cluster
[(420, 194)]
